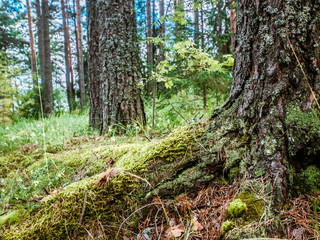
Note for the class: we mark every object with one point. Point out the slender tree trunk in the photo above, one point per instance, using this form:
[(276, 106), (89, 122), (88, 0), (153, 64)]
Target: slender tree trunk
[(202, 27), (80, 58), (149, 46), (48, 86), (40, 40), (196, 22), (162, 29), (33, 52), (66, 56), (114, 94), (72, 91), (233, 24)]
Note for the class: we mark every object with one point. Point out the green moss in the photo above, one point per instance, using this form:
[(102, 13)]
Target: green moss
[(255, 206), (13, 217), (310, 180), (302, 128), (227, 226), (236, 208), (259, 172), (57, 217), (233, 173)]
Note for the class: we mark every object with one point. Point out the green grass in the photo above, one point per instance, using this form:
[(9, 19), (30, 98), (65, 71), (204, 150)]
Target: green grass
[(30, 132)]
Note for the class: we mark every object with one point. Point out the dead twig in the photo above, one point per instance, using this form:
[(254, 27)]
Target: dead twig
[(84, 207), (145, 206), (179, 114)]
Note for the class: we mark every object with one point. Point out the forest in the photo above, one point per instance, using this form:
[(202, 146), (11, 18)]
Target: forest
[(160, 119)]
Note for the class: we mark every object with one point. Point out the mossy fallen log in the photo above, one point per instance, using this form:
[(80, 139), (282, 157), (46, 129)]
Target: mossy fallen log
[(107, 198)]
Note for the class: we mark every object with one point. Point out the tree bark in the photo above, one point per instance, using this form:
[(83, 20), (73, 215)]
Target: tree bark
[(40, 40), (269, 86), (67, 57), (33, 52), (162, 29), (48, 87), (233, 24), (202, 27), (80, 58), (196, 22), (149, 46), (113, 69)]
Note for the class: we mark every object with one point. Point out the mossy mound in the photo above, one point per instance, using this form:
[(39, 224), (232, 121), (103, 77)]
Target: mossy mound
[(227, 226), (251, 208), (237, 208), (107, 204)]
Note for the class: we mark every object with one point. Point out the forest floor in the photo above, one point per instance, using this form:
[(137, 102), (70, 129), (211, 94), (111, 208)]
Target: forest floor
[(32, 175)]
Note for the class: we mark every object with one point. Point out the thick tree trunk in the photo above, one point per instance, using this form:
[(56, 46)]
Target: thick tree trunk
[(113, 64), (269, 87), (80, 58), (265, 127), (48, 88)]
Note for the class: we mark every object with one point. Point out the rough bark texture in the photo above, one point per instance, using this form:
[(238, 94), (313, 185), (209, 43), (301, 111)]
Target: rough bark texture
[(269, 87), (265, 128), (80, 58), (48, 88), (113, 64)]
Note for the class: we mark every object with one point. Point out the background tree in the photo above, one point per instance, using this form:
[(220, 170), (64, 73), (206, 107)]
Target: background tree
[(113, 70), (68, 62), (80, 58), (47, 69)]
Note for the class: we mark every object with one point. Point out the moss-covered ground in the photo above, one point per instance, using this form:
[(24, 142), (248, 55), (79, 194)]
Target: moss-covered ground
[(94, 186), (45, 194)]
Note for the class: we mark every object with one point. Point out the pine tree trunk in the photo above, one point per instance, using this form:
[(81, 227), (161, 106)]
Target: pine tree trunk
[(149, 46), (48, 88), (266, 126), (80, 58), (269, 87), (196, 22), (202, 27), (66, 56), (114, 94), (162, 29), (33, 52), (40, 40), (233, 24)]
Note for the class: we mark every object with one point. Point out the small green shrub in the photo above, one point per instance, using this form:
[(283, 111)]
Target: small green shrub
[(227, 226), (237, 208)]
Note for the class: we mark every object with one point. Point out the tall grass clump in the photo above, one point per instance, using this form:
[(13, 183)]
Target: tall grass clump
[(57, 129)]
